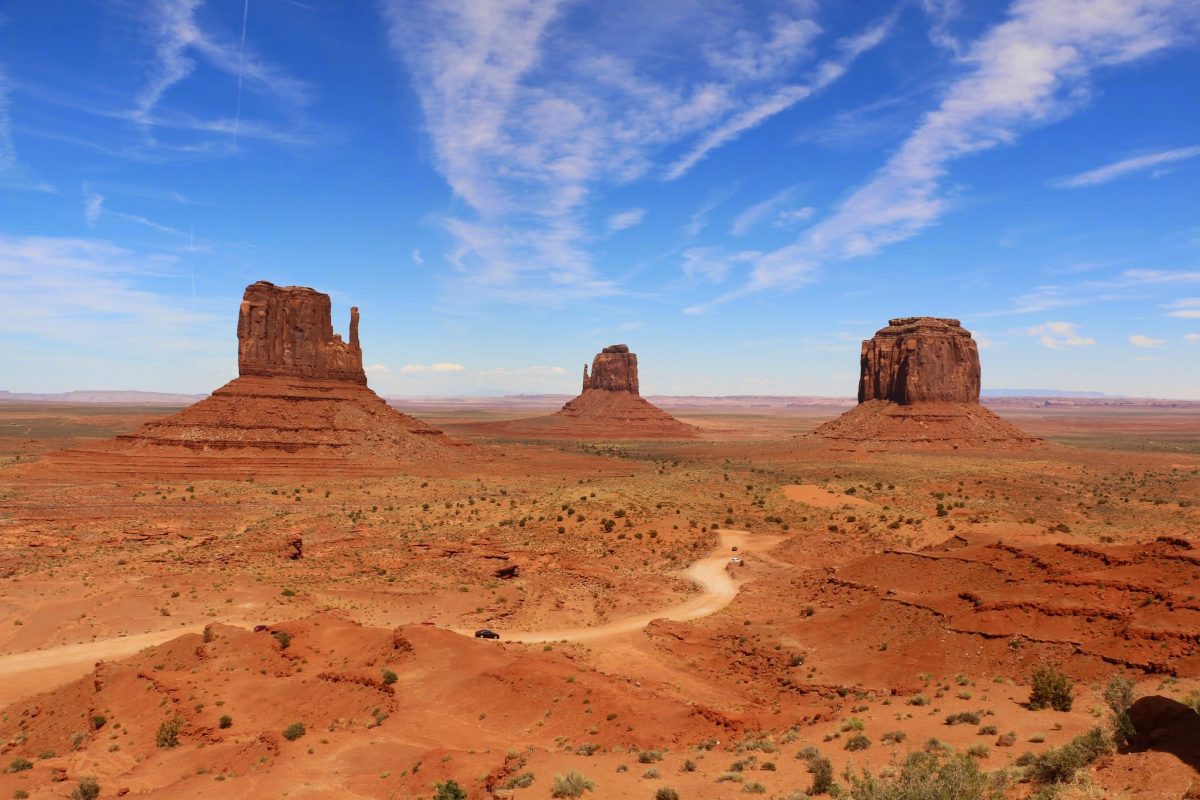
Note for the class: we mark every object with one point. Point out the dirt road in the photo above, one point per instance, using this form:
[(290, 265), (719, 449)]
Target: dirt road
[(712, 574), (23, 674)]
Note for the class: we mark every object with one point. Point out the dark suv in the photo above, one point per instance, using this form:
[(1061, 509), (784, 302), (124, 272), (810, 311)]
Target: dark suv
[(484, 633)]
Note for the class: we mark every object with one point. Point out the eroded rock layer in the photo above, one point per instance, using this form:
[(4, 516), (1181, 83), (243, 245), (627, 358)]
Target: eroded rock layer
[(918, 387)]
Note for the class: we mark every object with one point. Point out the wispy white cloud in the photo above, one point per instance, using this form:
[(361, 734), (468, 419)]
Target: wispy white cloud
[(90, 293), (93, 206), (417, 258), (625, 219), (769, 209), (442, 367), (783, 98), (1032, 69), (1128, 166), (1192, 337), (1060, 334), (179, 40), (1142, 340), (1185, 308), (534, 107), (377, 369)]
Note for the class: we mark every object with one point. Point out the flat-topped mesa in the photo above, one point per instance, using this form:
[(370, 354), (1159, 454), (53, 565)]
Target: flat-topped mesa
[(614, 369), (920, 359), (287, 331)]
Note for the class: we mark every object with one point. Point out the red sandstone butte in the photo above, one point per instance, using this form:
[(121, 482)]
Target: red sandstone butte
[(920, 359), (300, 403), (918, 387), (287, 331), (609, 407)]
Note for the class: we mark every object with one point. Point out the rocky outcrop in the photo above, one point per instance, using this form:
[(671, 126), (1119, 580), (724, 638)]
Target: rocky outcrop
[(918, 387), (920, 359), (287, 331), (614, 369)]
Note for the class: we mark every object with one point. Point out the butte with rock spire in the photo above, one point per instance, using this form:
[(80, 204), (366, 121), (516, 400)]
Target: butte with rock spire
[(300, 403), (918, 387)]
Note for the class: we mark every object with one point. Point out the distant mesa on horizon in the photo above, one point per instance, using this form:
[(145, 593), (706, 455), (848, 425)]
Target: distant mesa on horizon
[(918, 387)]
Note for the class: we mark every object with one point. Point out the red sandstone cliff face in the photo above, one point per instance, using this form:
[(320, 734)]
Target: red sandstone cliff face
[(920, 359), (614, 369), (286, 331)]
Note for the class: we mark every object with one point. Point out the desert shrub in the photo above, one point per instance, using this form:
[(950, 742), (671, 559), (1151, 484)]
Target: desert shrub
[(754, 787), (283, 637), (893, 737), (571, 785), (857, 742), (652, 774), (450, 790), (20, 765), (1192, 701), (294, 731), (1118, 694), (853, 724), (98, 721), (87, 789), (389, 677), (821, 770), (587, 749), (522, 781), (919, 700), (971, 717), (226, 721), (665, 793), (1051, 689), (168, 733), (649, 756), (929, 776), (989, 730), (1059, 764)]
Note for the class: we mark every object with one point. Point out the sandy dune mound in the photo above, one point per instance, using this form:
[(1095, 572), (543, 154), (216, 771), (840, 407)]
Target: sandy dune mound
[(300, 404), (609, 407), (918, 387), (383, 713)]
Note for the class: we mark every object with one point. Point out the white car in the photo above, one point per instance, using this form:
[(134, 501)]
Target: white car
[(735, 560)]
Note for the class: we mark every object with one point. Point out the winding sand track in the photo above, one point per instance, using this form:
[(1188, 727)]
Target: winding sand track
[(718, 588), (23, 674)]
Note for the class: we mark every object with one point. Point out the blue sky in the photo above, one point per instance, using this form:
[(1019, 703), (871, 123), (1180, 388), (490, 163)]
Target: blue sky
[(741, 193)]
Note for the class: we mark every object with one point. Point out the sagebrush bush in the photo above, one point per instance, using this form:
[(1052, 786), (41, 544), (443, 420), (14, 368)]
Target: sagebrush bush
[(294, 731), (168, 733), (87, 789), (929, 776), (1059, 765), (571, 785), (450, 790), (1051, 689)]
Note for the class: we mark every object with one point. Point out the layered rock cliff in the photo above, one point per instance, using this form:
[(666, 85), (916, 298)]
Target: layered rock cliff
[(920, 359), (614, 369), (288, 331)]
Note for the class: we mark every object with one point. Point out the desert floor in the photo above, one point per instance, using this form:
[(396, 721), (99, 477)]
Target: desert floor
[(884, 604)]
